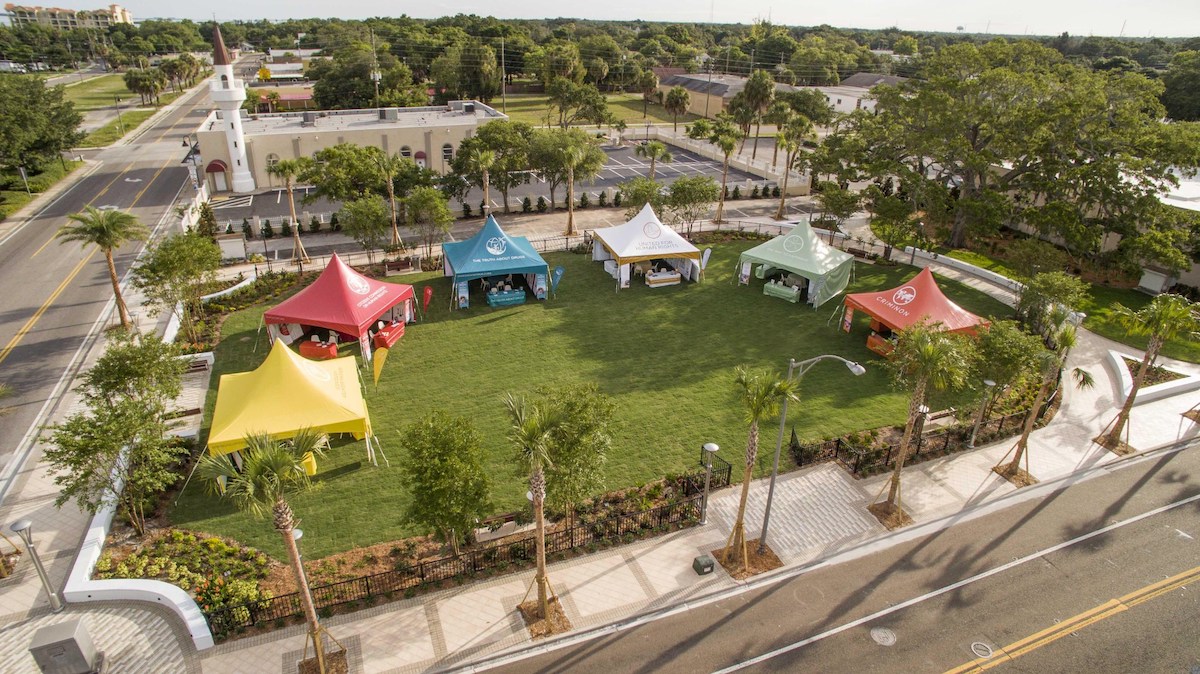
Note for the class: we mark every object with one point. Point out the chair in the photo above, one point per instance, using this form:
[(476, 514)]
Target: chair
[(492, 291), (316, 338), (507, 287)]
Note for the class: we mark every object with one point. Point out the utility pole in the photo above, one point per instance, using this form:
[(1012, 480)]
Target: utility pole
[(752, 61), (503, 80), (375, 74)]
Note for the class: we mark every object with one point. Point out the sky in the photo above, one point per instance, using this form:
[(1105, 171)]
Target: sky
[(1161, 18)]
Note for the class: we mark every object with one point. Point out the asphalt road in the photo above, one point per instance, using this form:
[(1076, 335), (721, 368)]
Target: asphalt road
[(1096, 602), (54, 293)]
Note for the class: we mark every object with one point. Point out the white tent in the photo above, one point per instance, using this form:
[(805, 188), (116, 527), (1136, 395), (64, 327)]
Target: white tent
[(642, 239)]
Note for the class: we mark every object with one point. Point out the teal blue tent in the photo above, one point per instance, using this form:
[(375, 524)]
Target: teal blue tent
[(491, 252)]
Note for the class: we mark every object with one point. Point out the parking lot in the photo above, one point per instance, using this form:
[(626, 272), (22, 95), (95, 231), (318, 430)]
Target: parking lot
[(622, 165)]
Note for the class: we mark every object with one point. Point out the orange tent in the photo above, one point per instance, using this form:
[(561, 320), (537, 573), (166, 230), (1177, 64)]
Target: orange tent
[(918, 299)]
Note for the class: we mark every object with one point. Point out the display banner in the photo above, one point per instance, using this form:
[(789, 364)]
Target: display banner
[(555, 277), (744, 274), (380, 356), (539, 286), (847, 318), (704, 258), (464, 295), (428, 296)]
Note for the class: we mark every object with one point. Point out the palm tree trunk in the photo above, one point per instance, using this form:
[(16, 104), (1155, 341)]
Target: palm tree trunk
[(122, 310), (757, 133), (504, 195), (298, 252), (783, 193), (914, 410), (391, 190), (570, 201), (306, 600), (487, 195), (538, 487), (1030, 419), (721, 202), (737, 537), (775, 155), (652, 162), (1114, 435)]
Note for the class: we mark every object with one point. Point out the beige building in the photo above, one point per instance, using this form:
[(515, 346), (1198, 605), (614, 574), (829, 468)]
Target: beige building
[(67, 19), (430, 136), (711, 94)]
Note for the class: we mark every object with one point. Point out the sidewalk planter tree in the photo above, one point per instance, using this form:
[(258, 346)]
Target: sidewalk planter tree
[(655, 151), (761, 394), (1167, 317), (271, 470), (107, 230), (925, 358)]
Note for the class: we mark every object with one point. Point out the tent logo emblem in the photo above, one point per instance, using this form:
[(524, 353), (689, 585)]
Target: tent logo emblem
[(358, 285), (793, 243), (652, 230), (314, 372), (904, 295), (496, 245)]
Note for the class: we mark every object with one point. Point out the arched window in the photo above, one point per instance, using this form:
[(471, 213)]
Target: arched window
[(406, 152), (272, 160), (448, 152), (224, 81)]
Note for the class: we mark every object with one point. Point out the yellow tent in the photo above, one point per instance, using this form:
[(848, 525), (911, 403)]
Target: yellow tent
[(286, 393)]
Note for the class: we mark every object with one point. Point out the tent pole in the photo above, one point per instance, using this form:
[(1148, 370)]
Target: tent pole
[(836, 312), (379, 448), (191, 472)]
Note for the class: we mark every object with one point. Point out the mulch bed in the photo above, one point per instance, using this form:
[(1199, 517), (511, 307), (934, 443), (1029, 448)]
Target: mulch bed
[(556, 621), (756, 564), (890, 516), (1118, 447), (335, 663), (1018, 476), (1154, 374)]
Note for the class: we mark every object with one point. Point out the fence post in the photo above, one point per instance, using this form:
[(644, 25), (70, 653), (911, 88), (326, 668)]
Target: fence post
[(367, 582)]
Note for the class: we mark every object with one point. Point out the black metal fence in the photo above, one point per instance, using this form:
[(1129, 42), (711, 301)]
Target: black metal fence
[(869, 460), (587, 536)]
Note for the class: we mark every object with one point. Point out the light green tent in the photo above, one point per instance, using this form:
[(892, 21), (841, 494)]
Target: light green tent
[(800, 252)]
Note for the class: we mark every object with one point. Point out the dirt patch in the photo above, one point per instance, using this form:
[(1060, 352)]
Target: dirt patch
[(1154, 374), (335, 663), (890, 516), (1194, 415), (1118, 447), (757, 563), (555, 622), (1018, 476)]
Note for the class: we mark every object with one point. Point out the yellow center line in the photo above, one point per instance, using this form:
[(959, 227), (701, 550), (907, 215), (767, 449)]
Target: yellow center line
[(1093, 615), (12, 343), (42, 247)]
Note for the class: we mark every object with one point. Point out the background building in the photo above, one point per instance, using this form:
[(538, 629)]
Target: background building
[(711, 94), (67, 19)]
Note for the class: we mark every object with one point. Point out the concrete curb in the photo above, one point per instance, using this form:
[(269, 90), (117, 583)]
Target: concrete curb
[(1149, 393)]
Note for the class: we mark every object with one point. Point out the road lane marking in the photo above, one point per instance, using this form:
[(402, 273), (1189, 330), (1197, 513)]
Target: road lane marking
[(12, 343), (1033, 556), (42, 247), (1091, 616)]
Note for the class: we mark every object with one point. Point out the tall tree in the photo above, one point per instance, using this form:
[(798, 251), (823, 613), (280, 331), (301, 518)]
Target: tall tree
[(37, 123), (288, 169), (429, 213), (345, 81), (107, 230), (467, 69), (647, 84), (794, 131), (690, 197), (760, 93), (761, 394), (1181, 87), (271, 471), (579, 443), (508, 142), (655, 151), (677, 101), (365, 220), (480, 162), (172, 276), (1167, 317), (444, 468), (550, 150), (119, 445), (726, 141), (926, 358)]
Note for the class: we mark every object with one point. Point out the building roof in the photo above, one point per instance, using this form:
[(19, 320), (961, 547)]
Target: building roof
[(333, 120), (220, 53), (868, 80), (725, 86)]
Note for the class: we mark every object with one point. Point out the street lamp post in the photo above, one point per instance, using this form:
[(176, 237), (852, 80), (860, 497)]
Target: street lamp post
[(710, 450), (800, 369), (988, 385), (120, 122), (24, 529)]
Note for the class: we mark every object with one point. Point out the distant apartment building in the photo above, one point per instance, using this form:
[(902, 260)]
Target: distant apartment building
[(67, 19)]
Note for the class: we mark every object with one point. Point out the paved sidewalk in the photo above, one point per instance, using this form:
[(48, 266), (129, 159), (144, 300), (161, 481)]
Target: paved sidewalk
[(819, 512)]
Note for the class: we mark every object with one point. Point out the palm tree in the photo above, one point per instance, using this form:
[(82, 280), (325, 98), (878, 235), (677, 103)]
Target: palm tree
[(795, 129), (288, 169), (676, 103), (655, 151), (1049, 363), (481, 161), (779, 114), (761, 393), (1166, 317), (727, 142), (273, 100), (107, 230), (389, 167), (271, 470), (742, 113), (925, 358), (760, 92), (532, 427), (647, 83)]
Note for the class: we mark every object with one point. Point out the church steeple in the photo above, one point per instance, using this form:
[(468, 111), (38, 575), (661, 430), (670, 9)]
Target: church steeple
[(220, 53)]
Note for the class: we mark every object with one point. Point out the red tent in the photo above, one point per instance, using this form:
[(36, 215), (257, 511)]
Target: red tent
[(917, 299), (341, 299)]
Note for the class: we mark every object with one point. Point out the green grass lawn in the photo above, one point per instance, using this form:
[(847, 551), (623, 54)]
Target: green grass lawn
[(11, 200), (666, 355), (98, 92), (532, 108), (112, 132)]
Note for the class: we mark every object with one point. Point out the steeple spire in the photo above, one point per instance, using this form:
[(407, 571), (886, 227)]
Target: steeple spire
[(220, 53)]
